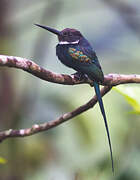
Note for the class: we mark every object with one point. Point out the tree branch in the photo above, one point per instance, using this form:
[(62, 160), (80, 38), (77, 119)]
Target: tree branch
[(49, 125), (34, 69)]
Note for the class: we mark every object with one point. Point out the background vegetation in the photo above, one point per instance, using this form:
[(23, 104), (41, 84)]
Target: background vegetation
[(78, 149)]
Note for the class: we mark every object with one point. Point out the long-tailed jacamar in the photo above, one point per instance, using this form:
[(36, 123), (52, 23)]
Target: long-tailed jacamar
[(74, 51)]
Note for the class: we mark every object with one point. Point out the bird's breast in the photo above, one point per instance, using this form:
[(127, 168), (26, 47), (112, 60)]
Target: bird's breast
[(63, 54)]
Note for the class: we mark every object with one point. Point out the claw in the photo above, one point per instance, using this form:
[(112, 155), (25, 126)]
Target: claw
[(79, 76)]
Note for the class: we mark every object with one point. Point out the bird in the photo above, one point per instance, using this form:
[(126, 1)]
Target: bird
[(74, 51)]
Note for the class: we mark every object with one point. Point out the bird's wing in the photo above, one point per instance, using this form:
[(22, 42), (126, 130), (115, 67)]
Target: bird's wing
[(84, 56), (85, 60)]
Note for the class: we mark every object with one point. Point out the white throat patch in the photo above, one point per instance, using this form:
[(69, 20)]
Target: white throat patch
[(66, 42)]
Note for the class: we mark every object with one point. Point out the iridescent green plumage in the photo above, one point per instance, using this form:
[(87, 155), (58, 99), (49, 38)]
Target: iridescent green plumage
[(78, 55), (86, 63)]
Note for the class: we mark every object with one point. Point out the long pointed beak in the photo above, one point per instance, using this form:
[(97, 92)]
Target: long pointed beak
[(49, 29)]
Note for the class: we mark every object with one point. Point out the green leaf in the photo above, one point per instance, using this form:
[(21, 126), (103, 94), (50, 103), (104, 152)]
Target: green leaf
[(2, 160), (131, 95)]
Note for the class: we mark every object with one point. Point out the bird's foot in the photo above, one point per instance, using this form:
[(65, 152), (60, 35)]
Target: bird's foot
[(79, 76)]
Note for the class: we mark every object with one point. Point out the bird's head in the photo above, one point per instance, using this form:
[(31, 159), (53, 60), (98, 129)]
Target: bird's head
[(66, 36)]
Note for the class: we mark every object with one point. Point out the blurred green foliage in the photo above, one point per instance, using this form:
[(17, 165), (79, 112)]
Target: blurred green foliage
[(78, 149), (2, 160), (132, 96)]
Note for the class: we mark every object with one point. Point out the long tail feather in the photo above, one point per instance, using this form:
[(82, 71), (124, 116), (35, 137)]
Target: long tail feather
[(97, 90)]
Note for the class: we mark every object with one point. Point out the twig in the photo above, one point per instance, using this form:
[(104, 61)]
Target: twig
[(36, 70), (48, 125)]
